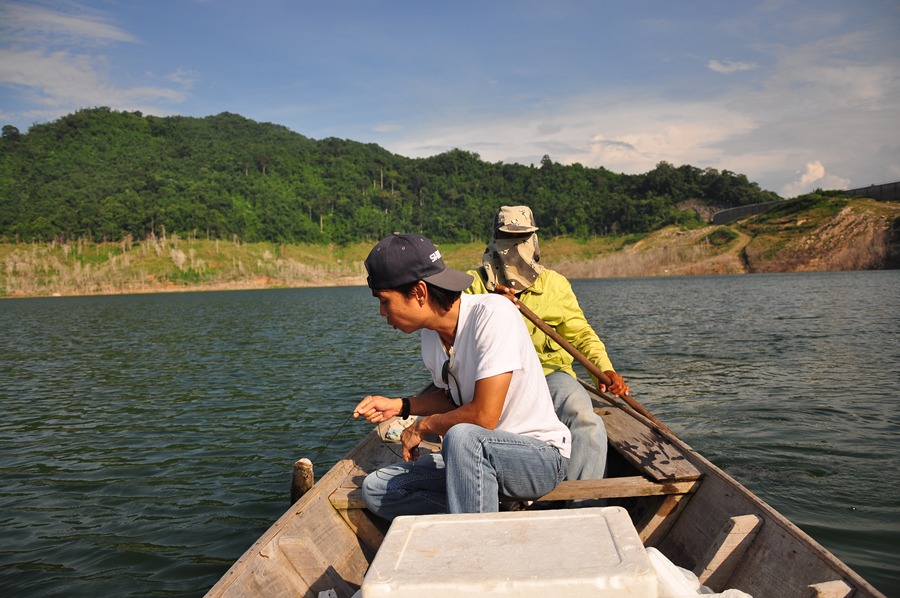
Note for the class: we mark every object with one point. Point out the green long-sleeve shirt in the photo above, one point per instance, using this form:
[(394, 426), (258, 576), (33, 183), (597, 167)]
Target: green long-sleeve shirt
[(551, 297)]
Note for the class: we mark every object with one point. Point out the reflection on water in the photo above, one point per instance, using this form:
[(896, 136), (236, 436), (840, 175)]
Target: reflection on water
[(148, 440)]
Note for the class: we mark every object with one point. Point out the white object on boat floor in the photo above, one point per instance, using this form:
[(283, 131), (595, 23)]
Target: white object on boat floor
[(575, 552), (390, 431), (675, 582)]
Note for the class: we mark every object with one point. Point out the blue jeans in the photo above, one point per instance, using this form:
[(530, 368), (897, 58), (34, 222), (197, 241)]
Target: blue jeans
[(475, 466), (574, 408)]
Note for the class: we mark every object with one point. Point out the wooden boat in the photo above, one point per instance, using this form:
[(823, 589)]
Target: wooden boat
[(680, 503)]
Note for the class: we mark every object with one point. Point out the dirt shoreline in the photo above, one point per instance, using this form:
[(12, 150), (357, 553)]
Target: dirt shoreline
[(863, 235), (199, 288)]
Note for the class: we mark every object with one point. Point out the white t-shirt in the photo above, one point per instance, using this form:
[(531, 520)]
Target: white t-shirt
[(491, 339)]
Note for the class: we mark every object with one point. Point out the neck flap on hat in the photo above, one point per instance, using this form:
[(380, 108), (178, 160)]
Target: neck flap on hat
[(512, 262)]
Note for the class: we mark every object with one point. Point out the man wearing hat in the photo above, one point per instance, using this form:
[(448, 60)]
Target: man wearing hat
[(492, 404), (512, 259)]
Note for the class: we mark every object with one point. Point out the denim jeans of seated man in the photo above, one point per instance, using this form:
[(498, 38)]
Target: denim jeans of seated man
[(574, 408), (474, 467)]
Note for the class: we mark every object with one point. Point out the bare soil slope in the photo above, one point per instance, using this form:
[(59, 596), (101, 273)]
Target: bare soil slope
[(821, 236)]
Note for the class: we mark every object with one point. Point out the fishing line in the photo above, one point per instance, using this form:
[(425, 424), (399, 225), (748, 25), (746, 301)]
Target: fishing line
[(327, 444), (390, 448), (343, 425)]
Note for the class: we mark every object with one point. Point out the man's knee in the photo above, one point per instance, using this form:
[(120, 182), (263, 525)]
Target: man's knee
[(459, 436), (569, 398), (565, 386), (373, 489)]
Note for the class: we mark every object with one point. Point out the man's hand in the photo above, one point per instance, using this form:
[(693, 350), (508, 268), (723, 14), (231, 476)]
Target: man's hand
[(411, 437), (617, 385), (377, 409), (507, 292)]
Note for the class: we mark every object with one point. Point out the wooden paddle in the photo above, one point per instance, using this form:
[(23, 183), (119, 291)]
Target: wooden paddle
[(588, 365)]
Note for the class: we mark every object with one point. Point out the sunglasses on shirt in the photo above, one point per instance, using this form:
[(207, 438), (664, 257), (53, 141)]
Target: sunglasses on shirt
[(446, 376)]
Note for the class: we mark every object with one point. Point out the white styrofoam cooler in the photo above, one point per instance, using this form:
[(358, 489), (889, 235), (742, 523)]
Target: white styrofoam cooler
[(574, 552)]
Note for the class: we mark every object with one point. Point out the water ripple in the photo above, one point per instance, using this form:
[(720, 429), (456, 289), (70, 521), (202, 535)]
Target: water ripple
[(148, 440)]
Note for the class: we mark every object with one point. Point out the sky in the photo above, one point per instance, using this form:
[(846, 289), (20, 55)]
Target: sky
[(796, 94)]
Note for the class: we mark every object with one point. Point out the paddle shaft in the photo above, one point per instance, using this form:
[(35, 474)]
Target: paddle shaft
[(589, 366)]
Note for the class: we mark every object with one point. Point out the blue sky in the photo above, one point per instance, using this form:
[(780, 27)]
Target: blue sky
[(797, 95)]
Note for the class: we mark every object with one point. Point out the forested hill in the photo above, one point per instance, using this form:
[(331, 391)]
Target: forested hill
[(102, 175)]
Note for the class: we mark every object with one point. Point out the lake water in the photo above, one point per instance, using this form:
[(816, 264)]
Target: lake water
[(148, 440)]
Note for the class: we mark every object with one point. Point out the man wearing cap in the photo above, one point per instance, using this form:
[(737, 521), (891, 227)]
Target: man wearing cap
[(512, 260), (492, 404)]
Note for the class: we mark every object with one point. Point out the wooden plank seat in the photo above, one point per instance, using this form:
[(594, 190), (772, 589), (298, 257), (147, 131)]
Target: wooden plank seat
[(349, 496), (664, 472), (624, 487)]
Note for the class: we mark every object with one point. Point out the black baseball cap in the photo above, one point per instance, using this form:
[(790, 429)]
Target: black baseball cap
[(401, 259)]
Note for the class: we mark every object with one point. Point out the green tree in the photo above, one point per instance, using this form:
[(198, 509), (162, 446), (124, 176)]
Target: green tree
[(103, 174)]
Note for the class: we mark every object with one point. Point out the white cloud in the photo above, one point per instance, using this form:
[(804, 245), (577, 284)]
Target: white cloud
[(728, 67), (71, 81), (824, 74), (183, 77), (622, 134), (28, 24), (50, 60), (814, 177), (831, 101)]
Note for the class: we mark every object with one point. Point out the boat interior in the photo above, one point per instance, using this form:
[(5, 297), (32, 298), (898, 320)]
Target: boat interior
[(699, 518)]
